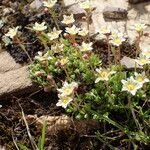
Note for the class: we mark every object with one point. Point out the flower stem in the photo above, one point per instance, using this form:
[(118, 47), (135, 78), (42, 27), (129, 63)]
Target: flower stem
[(108, 44), (133, 114), (66, 72), (88, 14), (54, 18), (24, 49)]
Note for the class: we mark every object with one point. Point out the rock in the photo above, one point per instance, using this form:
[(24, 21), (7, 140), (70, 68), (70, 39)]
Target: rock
[(129, 62), (2, 148), (58, 123), (14, 78), (77, 11), (114, 13), (7, 63), (137, 1), (16, 82), (36, 4)]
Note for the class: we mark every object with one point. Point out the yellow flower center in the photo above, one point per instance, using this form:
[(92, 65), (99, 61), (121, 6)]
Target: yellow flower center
[(65, 100), (130, 86), (104, 74), (68, 91), (143, 61), (63, 61), (138, 28), (139, 78), (117, 41)]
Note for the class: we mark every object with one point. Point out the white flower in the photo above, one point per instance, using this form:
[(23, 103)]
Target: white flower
[(57, 48), (146, 52), (142, 60), (39, 27), (83, 32), (64, 101), (117, 38), (86, 47), (86, 4), (103, 74), (130, 85), (49, 3), (42, 57), (68, 19), (116, 34), (141, 78), (105, 30), (117, 41), (72, 30), (54, 34), (64, 61), (67, 89), (138, 27), (12, 32)]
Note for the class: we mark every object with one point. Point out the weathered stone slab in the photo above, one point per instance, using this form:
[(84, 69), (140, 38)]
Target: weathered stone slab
[(58, 123), (14, 78), (129, 62), (16, 81), (114, 13), (7, 63), (77, 11), (137, 1)]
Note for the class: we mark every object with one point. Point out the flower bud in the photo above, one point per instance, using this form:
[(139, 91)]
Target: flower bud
[(75, 44), (47, 88), (49, 78), (146, 34), (85, 56), (39, 73), (45, 10)]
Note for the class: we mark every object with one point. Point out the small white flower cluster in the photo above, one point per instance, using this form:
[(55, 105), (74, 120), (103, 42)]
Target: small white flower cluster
[(39, 26), (86, 5), (73, 30), (144, 57), (57, 48), (66, 94), (40, 57), (139, 27), (12, 32), (132, 84), (103, 74), (86, 47), (49, 3), (115, 37), (54, 34)]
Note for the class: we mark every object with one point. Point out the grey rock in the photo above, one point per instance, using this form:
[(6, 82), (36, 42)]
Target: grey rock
[(36, 4), (129, 62), (16, 82), (114, 13), (7, 63), (77, 11), (137, 1), (14, 78)]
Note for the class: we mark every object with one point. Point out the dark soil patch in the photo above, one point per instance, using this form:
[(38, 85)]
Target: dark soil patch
[(12, 124)]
